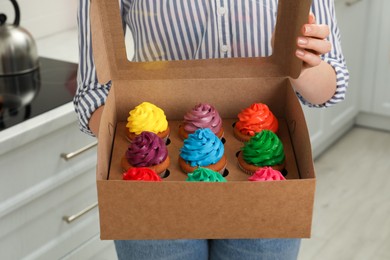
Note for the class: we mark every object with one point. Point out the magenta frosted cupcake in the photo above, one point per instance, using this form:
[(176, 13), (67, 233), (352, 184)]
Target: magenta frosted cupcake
[(146, 150), (201, 116), (267, 174)]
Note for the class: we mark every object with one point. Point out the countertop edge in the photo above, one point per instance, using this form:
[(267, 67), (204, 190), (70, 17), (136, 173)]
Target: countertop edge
[(36, 127)]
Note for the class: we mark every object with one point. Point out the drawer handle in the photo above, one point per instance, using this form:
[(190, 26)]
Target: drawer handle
[(70, 219), (352, 2), (68, 156)]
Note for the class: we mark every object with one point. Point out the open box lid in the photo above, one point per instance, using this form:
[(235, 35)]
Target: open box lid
[(112, 63)]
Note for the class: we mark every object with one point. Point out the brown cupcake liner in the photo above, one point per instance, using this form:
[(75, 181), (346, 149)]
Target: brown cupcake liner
[(240, 136), (219, 166), (250, 169), (160, 169)]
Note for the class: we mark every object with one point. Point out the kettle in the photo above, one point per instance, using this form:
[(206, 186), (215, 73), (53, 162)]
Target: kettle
[(18, 51)]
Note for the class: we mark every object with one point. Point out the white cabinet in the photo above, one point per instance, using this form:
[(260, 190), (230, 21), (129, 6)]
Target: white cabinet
[(375, 97), (328, 124), (38, 188)]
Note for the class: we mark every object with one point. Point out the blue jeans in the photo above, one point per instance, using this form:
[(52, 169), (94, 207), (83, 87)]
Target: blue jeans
[(219, 249)]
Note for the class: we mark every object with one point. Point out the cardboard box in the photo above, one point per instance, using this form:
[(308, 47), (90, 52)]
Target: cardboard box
[(174, 208)]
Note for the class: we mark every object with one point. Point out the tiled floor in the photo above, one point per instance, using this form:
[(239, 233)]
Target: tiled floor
[(352, 207)]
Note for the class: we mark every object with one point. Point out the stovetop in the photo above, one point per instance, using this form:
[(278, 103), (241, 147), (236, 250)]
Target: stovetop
[(52, 85)]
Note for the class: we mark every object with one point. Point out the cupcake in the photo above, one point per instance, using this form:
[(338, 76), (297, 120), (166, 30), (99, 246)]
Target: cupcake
[(147, 117), (254, 119), (147, 150), (263, 149), (201, 116), (205, 175), (202, 149), (141, 174), (267, 174)]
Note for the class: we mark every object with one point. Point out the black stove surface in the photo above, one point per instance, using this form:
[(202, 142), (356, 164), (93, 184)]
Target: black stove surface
[(25, 96)]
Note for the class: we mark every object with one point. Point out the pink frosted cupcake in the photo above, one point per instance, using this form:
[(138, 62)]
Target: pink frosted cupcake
[(267, 174), (201, 116)]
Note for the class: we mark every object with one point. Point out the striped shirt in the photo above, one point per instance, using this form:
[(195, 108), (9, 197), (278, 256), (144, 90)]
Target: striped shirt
[(201, 29)]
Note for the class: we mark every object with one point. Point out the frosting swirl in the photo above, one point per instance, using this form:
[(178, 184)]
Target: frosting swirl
[(255, 118), (147, 149), (202, 116), (205, 175), (202, 148), (263, 149), (141, 174), (147, 117), (267, 174)]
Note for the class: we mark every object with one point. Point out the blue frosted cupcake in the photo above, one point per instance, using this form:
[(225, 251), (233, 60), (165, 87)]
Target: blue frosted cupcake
[(202, 149)]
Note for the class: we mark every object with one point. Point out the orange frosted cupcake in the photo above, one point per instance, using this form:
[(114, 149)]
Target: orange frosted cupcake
[(254, 119), (147, 117)]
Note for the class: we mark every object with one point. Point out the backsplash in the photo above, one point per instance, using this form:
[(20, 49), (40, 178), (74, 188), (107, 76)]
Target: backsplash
[(43, 17)]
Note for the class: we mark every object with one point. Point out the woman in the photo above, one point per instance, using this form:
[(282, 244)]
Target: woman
[(201, 29)]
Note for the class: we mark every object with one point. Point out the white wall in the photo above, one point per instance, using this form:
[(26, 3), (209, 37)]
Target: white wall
[(43, 17)]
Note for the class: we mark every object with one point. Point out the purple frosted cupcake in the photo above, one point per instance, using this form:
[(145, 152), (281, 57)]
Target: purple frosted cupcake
[(201, 116), (147, 150)]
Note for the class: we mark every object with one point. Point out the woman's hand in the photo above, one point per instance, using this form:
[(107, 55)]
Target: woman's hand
[(317, 81), (313, 42)]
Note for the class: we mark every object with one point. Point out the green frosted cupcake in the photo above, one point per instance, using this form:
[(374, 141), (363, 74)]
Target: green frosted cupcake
[(263, 149), (205, 175)]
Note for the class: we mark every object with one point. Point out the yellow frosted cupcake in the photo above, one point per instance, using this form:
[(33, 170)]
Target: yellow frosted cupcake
[(147, 117)]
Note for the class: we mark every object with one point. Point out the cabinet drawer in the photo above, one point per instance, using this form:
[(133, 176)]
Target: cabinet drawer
[(38, 231), (94, 249), (27, 167)]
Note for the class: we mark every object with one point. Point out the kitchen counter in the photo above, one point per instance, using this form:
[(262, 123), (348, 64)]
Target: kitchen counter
[(61, 46), (48, 206), (36, 127)]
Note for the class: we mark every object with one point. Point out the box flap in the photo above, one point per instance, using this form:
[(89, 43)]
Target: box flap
[(111, 59)]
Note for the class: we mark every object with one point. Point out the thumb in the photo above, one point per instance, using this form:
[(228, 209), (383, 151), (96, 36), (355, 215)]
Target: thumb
[(312, 18)]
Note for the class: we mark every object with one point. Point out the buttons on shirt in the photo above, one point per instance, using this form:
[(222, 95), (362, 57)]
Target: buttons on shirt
[(221, 10), (224, 48)]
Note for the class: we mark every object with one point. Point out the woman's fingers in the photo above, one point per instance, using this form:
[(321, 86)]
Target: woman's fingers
[(315, 45), (309, 58), (313, 42), (320, 31)]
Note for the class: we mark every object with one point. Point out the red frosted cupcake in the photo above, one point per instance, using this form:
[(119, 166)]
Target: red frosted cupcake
[(201, 116), (141, 174), (147, 150), (254, 119)]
